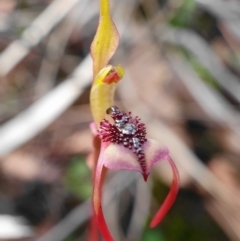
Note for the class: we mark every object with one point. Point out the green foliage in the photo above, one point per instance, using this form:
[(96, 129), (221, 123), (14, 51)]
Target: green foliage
[(153, 235), (78, 178), (201, 71), (184, 14), (70, 238)]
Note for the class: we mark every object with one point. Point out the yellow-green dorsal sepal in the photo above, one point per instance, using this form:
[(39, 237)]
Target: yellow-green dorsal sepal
[(103, 89), (106, 39)]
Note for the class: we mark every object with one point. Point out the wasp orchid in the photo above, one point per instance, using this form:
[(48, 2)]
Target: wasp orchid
[(120, 140)]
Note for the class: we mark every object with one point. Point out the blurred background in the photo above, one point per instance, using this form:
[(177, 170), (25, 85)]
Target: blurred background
[(182, 62)]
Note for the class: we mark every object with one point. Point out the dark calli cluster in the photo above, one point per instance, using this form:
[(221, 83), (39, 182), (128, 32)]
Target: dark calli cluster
[(126, 131)]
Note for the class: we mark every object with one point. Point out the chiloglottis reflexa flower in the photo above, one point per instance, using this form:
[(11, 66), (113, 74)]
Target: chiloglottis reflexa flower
[(120, 140)]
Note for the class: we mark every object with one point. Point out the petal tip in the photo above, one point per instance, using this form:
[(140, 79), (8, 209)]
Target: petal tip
[(152, 225), (145, 176), (171, 197)]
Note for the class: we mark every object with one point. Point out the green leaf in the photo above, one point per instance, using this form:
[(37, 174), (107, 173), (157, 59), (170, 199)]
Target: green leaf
[(184, 14), (153, 235), (78, 179)]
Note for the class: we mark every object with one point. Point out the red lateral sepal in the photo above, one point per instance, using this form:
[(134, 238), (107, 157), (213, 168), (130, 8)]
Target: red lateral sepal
[(97, 190), (168, 202)]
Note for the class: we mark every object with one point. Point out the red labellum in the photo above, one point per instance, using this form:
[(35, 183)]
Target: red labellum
[(126, 131)]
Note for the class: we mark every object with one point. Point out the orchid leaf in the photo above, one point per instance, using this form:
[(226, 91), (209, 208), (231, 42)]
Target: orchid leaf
[(106, 39)]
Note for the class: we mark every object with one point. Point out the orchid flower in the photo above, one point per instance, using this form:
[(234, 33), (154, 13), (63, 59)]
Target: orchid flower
[(120, 140)]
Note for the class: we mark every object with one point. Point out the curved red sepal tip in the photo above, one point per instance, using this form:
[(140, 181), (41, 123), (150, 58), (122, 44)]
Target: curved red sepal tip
[(93, 230), (168, 202), (97, 203), (103, 226)]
